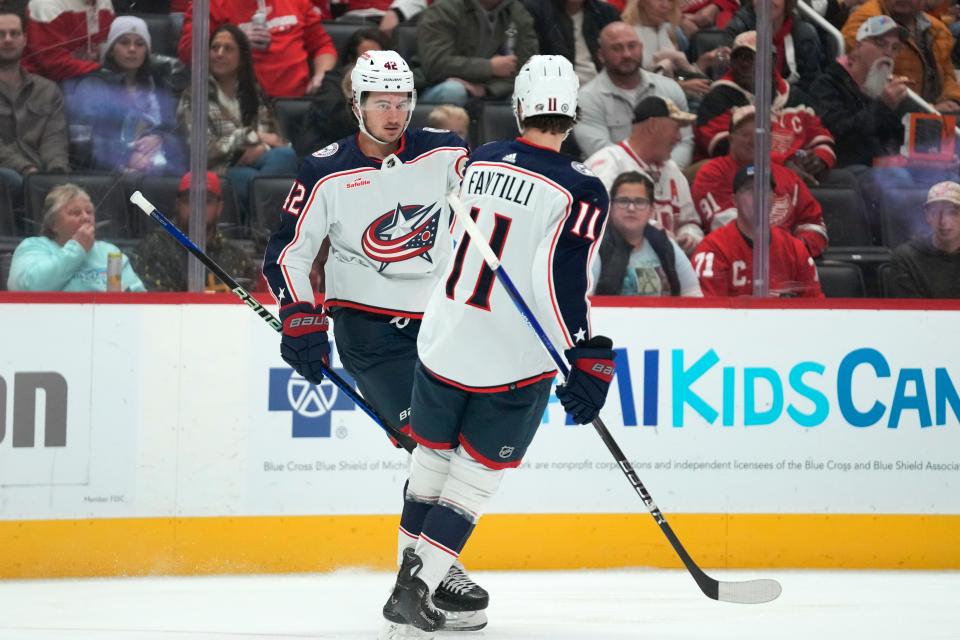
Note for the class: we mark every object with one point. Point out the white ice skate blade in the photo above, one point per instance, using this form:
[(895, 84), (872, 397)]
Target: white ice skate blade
[(396, 631), (464, 620)]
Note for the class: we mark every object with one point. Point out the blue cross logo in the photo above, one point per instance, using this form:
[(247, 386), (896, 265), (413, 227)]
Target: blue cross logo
[(312, 405)]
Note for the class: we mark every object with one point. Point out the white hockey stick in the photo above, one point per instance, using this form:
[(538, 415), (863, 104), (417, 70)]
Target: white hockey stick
[(747, 592)]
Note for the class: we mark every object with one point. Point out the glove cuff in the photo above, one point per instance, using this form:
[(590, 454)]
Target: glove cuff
[(303, 319)]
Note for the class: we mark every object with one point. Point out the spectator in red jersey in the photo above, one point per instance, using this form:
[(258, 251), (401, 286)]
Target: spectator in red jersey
[(60, 41), (793, 207), (798, 138), (724, 261), (286, 39)]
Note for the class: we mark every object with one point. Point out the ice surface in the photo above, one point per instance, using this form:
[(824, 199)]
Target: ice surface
[(635, 604)]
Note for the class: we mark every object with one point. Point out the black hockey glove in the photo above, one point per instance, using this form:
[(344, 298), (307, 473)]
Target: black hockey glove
[(591, 371), (304, 345)]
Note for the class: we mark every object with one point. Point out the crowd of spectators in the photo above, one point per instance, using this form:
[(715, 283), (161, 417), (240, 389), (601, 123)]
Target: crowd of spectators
[(666, 120)]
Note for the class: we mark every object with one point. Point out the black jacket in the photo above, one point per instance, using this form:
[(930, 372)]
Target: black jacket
[(555, 28), (615, 255), (862, 128), (808, 51), (920, 270)]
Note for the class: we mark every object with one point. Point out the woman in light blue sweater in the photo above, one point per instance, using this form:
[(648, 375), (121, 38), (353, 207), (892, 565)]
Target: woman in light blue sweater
[(67, 256)]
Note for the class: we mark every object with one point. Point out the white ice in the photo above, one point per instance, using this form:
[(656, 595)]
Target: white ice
[(607, 605)]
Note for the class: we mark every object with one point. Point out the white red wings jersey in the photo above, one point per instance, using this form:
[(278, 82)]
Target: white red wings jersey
[(672, 202), (724, 263), (388, 224), (543, 214), (793, 208)]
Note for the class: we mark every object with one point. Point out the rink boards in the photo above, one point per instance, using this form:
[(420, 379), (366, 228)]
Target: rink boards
[(170, 437)]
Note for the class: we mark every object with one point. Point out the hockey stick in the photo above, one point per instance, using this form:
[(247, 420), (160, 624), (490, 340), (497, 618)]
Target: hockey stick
[(138, 199), (747, 592)]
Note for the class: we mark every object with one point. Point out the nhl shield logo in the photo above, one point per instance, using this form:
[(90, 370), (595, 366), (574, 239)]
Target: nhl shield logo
[(506, 452)]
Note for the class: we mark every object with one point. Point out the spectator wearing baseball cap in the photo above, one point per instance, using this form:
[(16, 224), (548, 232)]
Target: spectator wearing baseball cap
[(925, 58), (161, 260), (724, 260), (656, 131), (928, 266), (860, 100), (793, 207), (798, 138)]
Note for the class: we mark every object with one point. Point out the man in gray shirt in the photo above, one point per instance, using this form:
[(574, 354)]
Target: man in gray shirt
[(33, 128), (607, 101)]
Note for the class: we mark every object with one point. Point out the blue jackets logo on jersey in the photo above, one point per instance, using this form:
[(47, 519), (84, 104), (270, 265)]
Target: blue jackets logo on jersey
[(403, 233), (312, 405)]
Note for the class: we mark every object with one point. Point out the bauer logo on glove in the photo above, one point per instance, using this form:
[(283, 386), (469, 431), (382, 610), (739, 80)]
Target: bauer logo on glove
[(591, 372)]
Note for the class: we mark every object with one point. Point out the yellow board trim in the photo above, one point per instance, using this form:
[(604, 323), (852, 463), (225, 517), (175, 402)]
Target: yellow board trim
[(188, 546)]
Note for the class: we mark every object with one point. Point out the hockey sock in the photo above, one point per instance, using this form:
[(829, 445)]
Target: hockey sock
[(411, 521), (428, 473), (444, 534)]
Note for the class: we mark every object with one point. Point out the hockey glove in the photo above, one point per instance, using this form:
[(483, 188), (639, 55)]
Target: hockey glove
[(591, 371), (304, 345)]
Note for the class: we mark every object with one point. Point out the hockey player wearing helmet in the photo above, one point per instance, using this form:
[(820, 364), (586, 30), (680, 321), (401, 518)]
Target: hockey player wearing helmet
[(483, 379), (379, 197)]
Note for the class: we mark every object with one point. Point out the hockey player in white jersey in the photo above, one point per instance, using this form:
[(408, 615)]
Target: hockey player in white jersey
[(379, 197), (484, 379)]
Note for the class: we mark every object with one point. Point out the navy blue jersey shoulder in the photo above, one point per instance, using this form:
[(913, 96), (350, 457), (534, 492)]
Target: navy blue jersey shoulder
[(562, 169), (419, 141)]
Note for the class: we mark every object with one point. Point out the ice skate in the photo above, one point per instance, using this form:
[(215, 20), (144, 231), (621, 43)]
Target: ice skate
[(409, 603), (462, 601)]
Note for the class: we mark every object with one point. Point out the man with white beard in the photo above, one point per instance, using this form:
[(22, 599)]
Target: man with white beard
[(859, 99)]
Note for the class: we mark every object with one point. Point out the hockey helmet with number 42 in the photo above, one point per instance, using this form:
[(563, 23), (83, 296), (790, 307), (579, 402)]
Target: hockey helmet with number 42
[(384, 71), (545, 85)]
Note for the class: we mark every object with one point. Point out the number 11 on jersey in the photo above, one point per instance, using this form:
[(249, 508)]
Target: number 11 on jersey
[(480, 298)]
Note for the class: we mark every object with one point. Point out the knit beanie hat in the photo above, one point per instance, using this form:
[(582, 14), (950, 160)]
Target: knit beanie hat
[(121, 26)]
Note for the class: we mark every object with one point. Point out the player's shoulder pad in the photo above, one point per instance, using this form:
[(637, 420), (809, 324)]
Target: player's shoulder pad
[(582, 184), (427, 138), (336, 156), (498, 150)]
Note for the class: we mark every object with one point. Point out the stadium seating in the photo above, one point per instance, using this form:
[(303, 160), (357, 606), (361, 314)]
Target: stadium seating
[(706, 40), (292, 116), (901, 216), (405, 41), (8, 223), (340, 32), (497, 123), (107, 193), (885, 275), (164, 35), (267, 195), (161, 191), (843, 212), (840, 279)]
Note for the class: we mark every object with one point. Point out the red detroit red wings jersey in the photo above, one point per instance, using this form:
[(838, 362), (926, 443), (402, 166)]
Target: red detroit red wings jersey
[(724, 263), (388, 224), (543, 214)]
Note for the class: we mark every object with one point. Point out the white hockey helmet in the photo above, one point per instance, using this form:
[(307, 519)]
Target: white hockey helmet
[(381, 71), (545, 85)]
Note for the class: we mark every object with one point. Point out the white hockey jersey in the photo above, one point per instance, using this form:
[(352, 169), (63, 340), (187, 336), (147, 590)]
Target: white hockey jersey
[(544, 214), (388, 224)]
